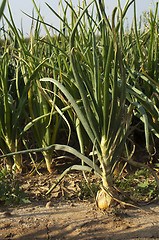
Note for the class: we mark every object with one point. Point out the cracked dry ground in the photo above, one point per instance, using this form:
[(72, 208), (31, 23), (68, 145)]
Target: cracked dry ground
[(58, 218)]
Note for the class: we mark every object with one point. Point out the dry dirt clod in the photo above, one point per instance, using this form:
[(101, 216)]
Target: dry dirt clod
[(49, 204), (72, 204)]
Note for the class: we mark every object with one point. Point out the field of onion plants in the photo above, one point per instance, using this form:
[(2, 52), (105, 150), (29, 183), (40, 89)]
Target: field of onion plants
[(93, 80)]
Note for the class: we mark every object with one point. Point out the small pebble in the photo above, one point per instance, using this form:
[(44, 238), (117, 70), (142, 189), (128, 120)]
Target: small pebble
[(49, 204)]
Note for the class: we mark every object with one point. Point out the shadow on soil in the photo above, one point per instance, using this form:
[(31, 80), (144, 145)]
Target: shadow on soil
[(95, 229)]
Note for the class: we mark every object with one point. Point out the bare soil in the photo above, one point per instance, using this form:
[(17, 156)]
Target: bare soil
[(65, 214)]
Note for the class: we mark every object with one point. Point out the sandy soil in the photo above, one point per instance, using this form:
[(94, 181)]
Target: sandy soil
[(78, 220), (65, 216)]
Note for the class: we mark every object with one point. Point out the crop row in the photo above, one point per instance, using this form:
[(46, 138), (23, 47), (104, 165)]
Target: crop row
[(91, 79)]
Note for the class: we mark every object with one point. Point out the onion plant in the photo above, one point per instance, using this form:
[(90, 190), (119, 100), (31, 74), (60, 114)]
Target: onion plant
[(11, 103), (143, 73), (31, 66), (102, 112), (12, 106), (90, 71)]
